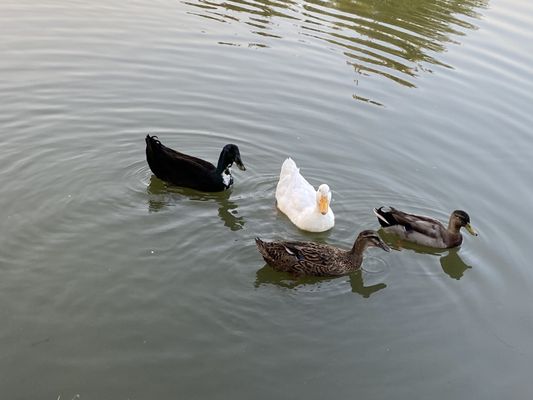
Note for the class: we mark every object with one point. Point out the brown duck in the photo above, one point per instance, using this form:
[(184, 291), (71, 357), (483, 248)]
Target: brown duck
[(424, 230), (308, 258)]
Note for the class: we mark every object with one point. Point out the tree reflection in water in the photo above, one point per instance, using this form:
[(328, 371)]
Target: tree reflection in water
[(396, 40)]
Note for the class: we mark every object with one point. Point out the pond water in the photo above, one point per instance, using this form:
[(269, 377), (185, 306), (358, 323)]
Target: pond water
[(115, 286)]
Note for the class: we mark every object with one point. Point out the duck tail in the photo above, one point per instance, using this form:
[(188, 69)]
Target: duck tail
[(153, 149), (288, 168), (385, 218), (152, 142), (261, 247)]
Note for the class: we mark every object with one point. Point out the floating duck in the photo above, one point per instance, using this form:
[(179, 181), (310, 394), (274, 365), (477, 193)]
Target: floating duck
[(308, 258), (307, 208), (187, 171), (423, 230)]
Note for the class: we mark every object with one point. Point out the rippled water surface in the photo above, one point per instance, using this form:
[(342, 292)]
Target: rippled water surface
[(114, 285)]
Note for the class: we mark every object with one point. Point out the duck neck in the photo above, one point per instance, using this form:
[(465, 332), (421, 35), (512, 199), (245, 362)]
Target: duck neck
[(454, 226), (356, 253), (223, 164)]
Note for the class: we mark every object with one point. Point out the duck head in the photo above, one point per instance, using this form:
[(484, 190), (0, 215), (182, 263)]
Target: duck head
[(323, 198), (460, 219), (370, 238), (230, 154)]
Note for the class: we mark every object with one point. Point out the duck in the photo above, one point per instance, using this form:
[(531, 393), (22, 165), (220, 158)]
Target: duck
[(307, 208), (317, 259), (187, 171), (423, 230)]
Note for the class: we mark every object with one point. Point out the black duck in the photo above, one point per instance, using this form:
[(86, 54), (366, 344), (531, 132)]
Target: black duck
[(187, 171)]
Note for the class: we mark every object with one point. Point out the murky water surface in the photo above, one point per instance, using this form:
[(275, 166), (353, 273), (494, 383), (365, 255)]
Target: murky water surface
[(116, 286)]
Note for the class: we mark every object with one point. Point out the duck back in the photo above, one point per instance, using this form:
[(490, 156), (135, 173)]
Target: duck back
[(181, 169)]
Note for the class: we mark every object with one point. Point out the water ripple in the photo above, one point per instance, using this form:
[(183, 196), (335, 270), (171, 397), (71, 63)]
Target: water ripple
[(397, 48), (106, 271)]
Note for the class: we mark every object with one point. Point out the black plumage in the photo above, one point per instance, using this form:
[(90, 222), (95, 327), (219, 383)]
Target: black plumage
[(187, 171)]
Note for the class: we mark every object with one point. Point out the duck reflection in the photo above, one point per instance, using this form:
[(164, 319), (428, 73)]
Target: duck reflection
[(162, 195), (268, 275), (451, 263), (395, 40)]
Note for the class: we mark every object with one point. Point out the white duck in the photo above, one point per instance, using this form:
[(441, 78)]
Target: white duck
[(308, 209)]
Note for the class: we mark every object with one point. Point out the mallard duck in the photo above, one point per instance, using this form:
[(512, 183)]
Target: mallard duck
[(306, 207), (308, 258), (187, 171), (423, 230)]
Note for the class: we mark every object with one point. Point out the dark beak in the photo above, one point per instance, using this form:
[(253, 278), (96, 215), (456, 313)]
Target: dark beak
[(239, 163), (383, 245)]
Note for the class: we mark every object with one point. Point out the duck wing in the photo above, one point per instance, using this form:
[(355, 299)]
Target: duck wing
[(178, 168), (293, 192), (297, 257), (176, 156), (308, 252), (158, 149), (426, 226)]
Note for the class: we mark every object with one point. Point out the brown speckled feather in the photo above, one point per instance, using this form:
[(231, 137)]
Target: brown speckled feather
[(307, 258)]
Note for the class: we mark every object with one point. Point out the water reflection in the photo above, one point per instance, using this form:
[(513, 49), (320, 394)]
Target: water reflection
[(162, 195), (451, 263), (268, 275), (395, 40)]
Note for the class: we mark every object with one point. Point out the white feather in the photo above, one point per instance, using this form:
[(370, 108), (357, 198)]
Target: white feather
[(288, 251), (226, 178), (379, 216), (298, 200)]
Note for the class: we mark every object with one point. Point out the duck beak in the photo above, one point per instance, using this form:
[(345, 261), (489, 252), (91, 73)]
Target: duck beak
[(383, 245), (323, 205), (470, 230), (239, 163)]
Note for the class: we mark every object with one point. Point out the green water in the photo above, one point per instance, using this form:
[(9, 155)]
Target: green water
[(115, 286)]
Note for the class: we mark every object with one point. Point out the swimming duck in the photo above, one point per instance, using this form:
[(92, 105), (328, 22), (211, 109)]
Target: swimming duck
[(423, 230), (306, 207), (308, 258), (187, 171)]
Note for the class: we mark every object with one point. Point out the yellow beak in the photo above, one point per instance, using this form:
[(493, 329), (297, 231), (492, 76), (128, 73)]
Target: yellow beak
[(470, 230), (323, 205)]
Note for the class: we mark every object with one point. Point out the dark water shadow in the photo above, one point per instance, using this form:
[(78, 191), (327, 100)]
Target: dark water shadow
[(394, 40), (161, 195), (269, 276), (451, 263)]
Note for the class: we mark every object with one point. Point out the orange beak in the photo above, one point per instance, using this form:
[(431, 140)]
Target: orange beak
[(323, 205)]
